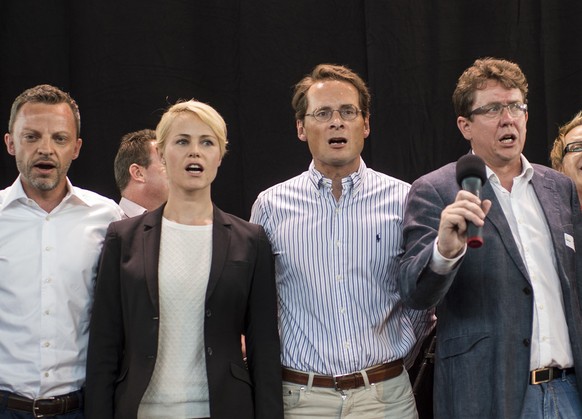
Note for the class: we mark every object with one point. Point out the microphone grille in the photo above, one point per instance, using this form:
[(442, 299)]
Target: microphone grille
[(471, 165)]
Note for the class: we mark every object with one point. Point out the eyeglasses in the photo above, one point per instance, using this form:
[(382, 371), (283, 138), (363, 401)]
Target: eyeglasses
[(574, 147), (494, 110), (347, 113)]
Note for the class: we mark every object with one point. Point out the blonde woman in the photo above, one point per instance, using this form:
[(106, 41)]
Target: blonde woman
[(176, 289)]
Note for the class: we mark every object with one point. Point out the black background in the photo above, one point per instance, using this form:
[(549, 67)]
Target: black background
[(125, 61)]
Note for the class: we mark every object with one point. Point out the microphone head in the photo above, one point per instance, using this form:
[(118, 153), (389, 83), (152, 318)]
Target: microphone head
[(471, 165)]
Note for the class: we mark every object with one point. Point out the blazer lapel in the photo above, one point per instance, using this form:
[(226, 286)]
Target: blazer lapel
[(545, 189), (152, 231), (221, 236), (497, 218)]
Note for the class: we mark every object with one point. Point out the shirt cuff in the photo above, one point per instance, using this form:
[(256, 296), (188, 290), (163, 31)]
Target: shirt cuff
[(442, 265)]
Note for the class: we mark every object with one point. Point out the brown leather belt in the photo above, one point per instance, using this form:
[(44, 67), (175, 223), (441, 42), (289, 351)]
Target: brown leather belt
[(545, 375), (349, 381), (44, 406)]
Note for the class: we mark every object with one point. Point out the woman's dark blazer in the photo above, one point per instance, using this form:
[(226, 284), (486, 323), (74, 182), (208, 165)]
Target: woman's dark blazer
[(240, 299)]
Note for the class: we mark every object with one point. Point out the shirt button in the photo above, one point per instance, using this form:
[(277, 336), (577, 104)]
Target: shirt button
[(209, 351), (46, 374), (46, 344), (208, 313), (48, 248), (526, 342)]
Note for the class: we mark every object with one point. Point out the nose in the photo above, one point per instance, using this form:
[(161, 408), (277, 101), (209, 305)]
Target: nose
[(505, 117), (336, 120), (45, 146)]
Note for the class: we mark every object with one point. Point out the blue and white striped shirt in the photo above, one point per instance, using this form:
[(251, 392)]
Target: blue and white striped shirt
[(336, 269)]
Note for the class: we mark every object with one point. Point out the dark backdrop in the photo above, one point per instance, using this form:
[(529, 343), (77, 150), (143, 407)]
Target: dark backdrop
[(126, 61)]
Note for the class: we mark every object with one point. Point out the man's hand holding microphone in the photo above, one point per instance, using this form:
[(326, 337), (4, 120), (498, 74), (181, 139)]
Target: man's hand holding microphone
[(462, 221)]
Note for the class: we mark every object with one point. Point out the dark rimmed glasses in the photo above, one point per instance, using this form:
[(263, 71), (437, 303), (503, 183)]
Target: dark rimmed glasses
[(574, 147), (346, 112), (494, 110)]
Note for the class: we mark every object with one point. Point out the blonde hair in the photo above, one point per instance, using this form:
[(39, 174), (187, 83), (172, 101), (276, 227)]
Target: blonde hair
[(205, 112), (557, 153)]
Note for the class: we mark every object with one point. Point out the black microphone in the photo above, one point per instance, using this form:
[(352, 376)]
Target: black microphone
[(471, 176)]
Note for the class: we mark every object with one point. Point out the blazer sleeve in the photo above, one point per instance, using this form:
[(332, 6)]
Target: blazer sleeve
[(106, 333), (420, 286), (261, 333)]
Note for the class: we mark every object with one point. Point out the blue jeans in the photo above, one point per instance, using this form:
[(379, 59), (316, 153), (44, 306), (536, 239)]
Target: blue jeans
[(557, 399)]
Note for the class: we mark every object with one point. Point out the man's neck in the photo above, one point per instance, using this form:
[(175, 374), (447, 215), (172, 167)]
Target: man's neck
[(47, 200)]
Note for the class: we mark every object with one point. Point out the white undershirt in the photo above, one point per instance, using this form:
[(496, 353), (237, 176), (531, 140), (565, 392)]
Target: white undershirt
[(179, 386)]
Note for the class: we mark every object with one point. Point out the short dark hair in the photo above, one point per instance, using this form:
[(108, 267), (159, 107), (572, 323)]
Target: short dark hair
[(325, 72), (44, 93), (134, 148), (507, 73)]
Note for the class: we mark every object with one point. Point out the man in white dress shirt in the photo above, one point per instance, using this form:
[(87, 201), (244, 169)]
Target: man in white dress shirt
[(140, 174), (50, 240)]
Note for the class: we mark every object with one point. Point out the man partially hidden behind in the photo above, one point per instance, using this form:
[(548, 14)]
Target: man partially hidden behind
[(140, 174)]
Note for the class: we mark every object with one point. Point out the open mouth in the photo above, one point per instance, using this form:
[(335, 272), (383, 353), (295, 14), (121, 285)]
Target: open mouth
[(507, 138), (194, 168), (339, 140), (44, 165)]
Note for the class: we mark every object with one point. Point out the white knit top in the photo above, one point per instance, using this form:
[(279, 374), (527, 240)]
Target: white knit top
[(179, 386)]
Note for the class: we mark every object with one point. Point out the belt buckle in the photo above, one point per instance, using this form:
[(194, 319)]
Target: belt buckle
[(542, 375), (35, 407), (336, 384)]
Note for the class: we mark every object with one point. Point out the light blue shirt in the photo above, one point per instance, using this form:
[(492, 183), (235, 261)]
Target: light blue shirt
[(336, 269)]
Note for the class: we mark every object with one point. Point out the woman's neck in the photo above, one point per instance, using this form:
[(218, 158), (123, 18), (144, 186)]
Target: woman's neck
[(190, 211)]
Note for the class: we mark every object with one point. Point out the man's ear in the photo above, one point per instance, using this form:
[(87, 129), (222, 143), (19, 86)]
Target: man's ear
[(136, 172), (9, 144), (301, 134), (367, 126), (78, 145), (465, 126)]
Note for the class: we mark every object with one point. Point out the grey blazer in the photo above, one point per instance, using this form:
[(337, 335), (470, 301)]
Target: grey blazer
[(240, 299), (485, 305)]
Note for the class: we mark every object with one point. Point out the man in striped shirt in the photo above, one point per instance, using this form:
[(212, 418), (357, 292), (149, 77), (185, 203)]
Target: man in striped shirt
[(336, 232)]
